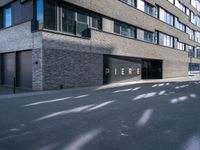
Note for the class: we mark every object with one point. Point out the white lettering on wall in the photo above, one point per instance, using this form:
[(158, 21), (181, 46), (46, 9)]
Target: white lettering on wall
[(115, 71), (122, 72), (107, 71)]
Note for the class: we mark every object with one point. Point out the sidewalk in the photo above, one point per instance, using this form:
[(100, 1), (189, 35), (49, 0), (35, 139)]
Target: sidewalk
[(180, 79), (8, 92)]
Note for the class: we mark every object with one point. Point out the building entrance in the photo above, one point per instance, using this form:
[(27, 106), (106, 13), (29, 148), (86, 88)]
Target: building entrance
[(151, 69)]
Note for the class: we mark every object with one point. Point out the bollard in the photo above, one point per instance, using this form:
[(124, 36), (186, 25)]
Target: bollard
[(14, 85)]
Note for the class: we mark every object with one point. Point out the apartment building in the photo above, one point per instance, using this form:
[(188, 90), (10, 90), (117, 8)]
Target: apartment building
[(53, 44)]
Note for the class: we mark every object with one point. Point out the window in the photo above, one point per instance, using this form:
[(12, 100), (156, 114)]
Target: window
[(7, 17), (190, 32), (148, 36), (96, 22), (187, 12), (133, 3), (82, 24), (196, 4), (124, 30), (180, 46), (149, 9), (194, 68), (77, 22), (130, 2), (190, 50), (50, 15), (166, 17), (197, 49), (179, 25), (68, 20), (140, 5), (197, 36), (117, 28), (39, 12), (166, 40), (180, 6)]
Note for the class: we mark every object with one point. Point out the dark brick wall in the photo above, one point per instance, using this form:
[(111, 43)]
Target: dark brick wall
[(71, 69)]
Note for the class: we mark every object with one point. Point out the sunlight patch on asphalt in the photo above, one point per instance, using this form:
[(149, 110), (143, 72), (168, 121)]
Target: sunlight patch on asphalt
[(83, 139), (99, 106), (182, 98), (193, 143), (49, 147), (144, 96), (60, 113), (86, 108), (81, 96), (182, 86), (162, 92), (127, 90), (48, 101), (160, 85), (55, 100), (124, 90), (193, 95), (145, 117)]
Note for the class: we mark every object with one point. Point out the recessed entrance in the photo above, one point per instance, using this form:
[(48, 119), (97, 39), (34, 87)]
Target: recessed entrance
[(151, 69)]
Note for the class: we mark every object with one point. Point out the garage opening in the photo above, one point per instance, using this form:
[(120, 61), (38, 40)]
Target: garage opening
[(151, 69), (17, 65)]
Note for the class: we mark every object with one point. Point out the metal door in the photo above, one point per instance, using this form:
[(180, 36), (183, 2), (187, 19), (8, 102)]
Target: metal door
[(8, 68), (24, 69)]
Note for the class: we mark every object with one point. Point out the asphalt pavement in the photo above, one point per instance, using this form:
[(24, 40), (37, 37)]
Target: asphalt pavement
[(161, 116)]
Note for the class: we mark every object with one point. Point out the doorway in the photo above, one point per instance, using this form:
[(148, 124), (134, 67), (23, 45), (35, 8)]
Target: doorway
[(151, 69)]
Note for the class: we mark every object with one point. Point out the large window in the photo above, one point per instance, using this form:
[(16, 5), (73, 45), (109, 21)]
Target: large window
[(68, 19), (124, 30), (166, 40), (78, 22), (166, 17), (7, 17)]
